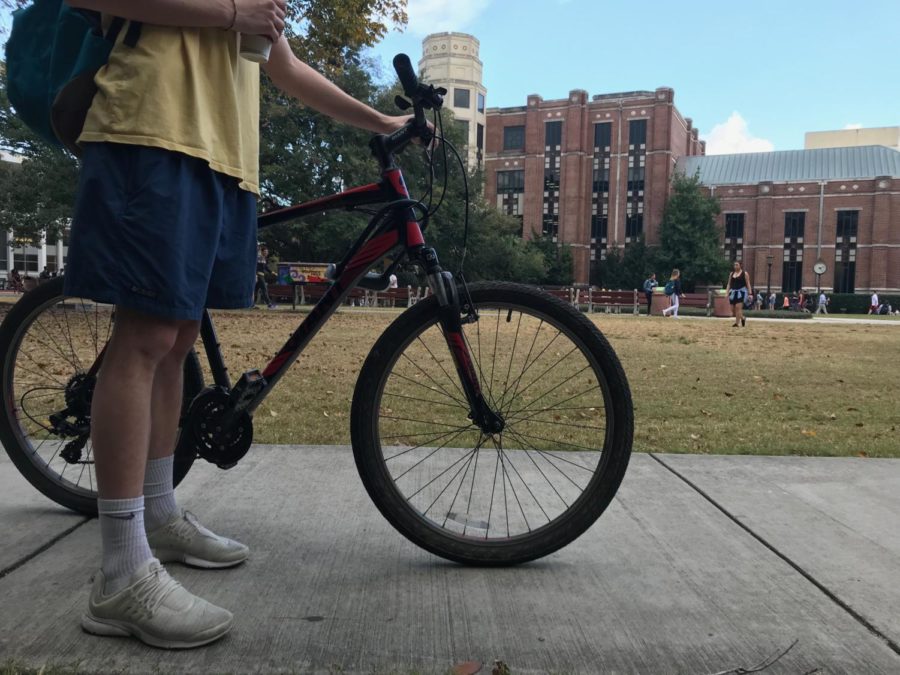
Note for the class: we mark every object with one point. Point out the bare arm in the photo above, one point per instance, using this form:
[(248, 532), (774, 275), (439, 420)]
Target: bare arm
[(297, 79), (259, 17)]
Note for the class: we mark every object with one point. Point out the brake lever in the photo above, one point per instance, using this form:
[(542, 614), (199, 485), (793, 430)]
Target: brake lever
[(402, 103)]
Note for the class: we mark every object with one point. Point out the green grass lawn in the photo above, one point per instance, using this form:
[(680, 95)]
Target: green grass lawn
[(698, 385)]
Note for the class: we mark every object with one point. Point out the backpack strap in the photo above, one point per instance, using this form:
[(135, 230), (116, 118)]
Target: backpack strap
[(131, 37), (133, 34)]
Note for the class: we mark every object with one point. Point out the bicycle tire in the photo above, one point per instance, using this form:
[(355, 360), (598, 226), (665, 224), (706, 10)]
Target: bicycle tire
[(22, 317), (370, 420)]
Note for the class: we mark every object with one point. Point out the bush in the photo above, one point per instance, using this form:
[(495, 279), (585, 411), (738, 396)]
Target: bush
[(857, 303)]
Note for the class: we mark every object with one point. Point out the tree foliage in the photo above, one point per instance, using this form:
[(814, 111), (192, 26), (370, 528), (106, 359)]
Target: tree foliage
[(689, 237), (625, 269)]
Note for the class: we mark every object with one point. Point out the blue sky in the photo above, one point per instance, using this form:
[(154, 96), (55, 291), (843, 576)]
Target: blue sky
[(752, 75)]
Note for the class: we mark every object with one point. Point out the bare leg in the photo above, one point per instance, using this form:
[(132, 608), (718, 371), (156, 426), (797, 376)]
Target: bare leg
[(121, 406), (167, 392)]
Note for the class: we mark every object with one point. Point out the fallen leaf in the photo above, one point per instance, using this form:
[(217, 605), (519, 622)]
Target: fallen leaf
[(273, 413), (325, 413), (832, 416), (706, 412), (695, 437), (728, 393), (852, 409), (809, 432), (778, 397), (500, 668), (467, 668), (859, 424), (862, 453)]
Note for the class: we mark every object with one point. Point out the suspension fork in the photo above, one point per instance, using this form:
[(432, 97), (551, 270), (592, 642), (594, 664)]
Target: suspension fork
[(444, 288)]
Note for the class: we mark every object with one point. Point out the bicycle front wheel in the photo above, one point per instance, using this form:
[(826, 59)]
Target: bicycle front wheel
[(512, 496)]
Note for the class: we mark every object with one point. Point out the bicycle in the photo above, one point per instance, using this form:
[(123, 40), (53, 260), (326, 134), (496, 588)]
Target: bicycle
[(492, 377)]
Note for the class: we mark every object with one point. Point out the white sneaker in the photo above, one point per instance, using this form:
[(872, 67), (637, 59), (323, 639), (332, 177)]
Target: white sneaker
[(156, 609), (183, 539)]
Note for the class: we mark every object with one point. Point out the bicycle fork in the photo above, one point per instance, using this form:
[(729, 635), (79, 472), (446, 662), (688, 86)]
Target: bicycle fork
[(444, 288)]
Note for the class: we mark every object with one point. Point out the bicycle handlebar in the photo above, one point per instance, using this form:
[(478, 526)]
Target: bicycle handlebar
[(407, 75)]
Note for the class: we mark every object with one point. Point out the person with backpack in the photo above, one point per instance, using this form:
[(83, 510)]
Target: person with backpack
[(649, 285), (673, 290), (164, 227), (739, 292)]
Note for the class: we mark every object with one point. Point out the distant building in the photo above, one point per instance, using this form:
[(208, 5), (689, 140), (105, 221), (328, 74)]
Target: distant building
[(450, 60), (593, 173), (851, 138), (838, 206)]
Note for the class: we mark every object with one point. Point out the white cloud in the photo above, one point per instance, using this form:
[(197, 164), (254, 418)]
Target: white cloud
[(853, 126), (435, 16), (733, 136)]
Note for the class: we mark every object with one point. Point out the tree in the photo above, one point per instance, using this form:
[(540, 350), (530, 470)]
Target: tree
[(627, 269), (689, 236)]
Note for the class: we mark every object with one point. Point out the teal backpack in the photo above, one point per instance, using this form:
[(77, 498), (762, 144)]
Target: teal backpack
[(52, 55), (670, 287)]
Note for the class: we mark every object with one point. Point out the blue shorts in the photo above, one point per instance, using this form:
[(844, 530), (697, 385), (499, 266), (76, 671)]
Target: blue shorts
[(160, 232)]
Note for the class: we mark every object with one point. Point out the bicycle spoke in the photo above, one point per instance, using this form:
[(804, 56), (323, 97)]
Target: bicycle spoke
[(527, 356), (436, 477), (544, 454), (508, 412), (423, 400), (549, 368), (441, 366), (441, 493), (568, 425), (430, 440), (461, 482), (491, 504), (452, 398), (428, 456), (512, 487), (448, 394)]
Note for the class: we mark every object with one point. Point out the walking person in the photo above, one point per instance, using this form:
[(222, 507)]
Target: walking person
[(674, 284), (739, 290), (873, 303), (649, 285), (164, 227), (823, 301), (772, 301), (261, 290)]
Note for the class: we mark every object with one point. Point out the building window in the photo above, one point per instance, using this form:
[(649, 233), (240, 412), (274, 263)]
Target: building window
[(511, 192), (734, 237), (513, 138), (552, 159), (25, 259), (600, 191), (637, 160), (637, 133), (461, 98), (481, 103), (792, 270), (845, 252)]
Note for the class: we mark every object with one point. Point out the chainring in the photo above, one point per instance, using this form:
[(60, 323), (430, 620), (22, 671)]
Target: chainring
[(217, 434)]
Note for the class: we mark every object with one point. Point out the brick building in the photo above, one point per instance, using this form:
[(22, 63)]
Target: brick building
[(792, 209), (592, 173)]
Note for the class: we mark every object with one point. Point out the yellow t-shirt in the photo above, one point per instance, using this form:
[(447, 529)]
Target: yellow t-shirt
[(182, 89)]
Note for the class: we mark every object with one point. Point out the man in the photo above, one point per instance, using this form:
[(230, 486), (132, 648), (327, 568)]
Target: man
[(164, 226), (649, 285), (873, 303), (823, 301)]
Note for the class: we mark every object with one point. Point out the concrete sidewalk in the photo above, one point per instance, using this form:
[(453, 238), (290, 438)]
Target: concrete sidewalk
[(701, 565)]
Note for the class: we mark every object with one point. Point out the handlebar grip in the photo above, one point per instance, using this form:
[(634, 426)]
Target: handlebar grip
[(406, 74)]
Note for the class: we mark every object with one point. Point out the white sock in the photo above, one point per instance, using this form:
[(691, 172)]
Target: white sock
[(125, 545), (159, 495)]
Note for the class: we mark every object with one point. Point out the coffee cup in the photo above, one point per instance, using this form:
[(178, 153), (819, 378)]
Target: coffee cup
[(254, 48)]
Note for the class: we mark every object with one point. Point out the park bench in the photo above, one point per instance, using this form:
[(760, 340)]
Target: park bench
[(608, 301)]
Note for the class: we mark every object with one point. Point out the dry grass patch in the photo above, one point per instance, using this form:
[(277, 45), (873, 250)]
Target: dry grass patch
[(698, 385)]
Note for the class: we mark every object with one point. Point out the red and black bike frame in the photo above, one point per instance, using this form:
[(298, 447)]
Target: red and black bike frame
[(398, 236)]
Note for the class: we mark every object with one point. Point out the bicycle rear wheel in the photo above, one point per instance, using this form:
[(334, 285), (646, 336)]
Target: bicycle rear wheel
[(503, 498), (49, 345)]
